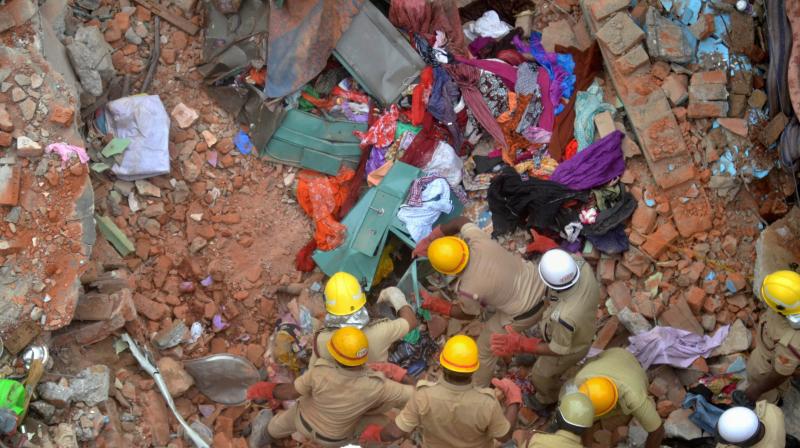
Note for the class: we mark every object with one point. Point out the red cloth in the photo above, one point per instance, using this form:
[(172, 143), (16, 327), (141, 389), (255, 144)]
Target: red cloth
[(321, 196), (418, 96), (420, 151), (426, 17), (571, 149), (540, 243)]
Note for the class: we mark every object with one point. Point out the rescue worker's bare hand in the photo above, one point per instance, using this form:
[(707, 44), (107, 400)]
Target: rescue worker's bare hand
[(371, 434), (511, 391), (435, 304), (422, 247), (261, 391), (391, 371), (513, 343)]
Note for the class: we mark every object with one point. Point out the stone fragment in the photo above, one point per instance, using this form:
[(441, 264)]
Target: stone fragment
[(708, 92), (132, 37), (18, 95), (209, 138), (679, 426), (738, 105), (145, 188), (197, 244), (634, 322), (775, 128), (604, 8), (28, 109), (736, 125), (659, 241), (558, 33), (16, 13), (170, 336), (6, 125), (675, 87), (28, 148), (184, 115), (620, 33), (632, 60), (668, 40), (679, 315), (91, 58), (91, 385), (177, 379), (738, 340), (757, 99)]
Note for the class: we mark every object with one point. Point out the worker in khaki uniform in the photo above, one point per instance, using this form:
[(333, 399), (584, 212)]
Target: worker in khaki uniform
[(332, 396), (567, 325), (575, 416), (777, 353), (453, 412), (616, 384), (345, 305), (488, 278), (763, 427)]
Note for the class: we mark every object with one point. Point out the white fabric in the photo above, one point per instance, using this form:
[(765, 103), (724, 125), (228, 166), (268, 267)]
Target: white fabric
[(445, 163), (419, 220), (488, 25), (144, 121)]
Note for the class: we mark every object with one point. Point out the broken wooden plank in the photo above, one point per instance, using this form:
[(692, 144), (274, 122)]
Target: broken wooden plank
[(185, 25)]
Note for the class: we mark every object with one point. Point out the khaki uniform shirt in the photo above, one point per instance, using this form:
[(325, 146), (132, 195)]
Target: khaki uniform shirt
[(454, 416), (781, 340), (381, 334), (774, 427), (624, 369), (496, 278), (567, 324), (559, 439), (334, 399)]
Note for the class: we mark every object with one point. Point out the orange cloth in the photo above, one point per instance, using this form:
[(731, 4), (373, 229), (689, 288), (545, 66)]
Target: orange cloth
[(509, 121), (321, 196)]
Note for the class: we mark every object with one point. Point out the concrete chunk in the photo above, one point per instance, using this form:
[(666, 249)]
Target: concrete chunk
[(620, 33)]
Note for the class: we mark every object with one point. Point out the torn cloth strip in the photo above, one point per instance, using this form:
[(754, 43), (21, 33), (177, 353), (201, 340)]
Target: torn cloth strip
[(467, 79), (599, 163), (302, 36), (674, 346), (507, 72), (517, 200)]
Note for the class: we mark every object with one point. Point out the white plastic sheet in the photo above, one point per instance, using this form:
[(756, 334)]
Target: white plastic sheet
[(445, 163), (144, 121)]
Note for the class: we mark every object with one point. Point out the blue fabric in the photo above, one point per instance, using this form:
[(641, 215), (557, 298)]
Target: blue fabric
[(560, 68), (444, 95), (705, 414), (615, 241)]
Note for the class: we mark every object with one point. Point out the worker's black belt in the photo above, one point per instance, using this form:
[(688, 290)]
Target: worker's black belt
[(315, 433), (531, 312)]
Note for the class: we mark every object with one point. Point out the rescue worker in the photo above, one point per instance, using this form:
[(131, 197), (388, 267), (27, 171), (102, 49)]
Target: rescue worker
[(777, 353), (453, 412), (617, 384), (345, 305), (575, 415), (332, 396), (743, 427), (567, 325), (488, 277)]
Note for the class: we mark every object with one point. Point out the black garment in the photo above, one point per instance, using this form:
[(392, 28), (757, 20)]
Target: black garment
[(519, 200), (612, 217)]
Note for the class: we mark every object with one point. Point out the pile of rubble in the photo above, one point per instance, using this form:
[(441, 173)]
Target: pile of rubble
[(201, 260)]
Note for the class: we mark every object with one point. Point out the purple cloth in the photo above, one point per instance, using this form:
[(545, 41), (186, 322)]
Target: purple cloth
[(444, 94), (506, 71), (476, 45), (596, 165), (615, 241), (377, 157), (560, 69), (548, 116), (673, 346)]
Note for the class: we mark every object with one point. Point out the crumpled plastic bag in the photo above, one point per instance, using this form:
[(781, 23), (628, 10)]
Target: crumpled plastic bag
[(446, 163), (143, 120), (488, 25), (321, 196)]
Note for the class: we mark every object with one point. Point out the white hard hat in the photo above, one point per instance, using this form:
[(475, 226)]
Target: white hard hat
[(558, 269), (737, 425)]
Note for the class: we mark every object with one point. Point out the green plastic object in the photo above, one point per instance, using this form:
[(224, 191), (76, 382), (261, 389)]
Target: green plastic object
[(369, 224), (308, 141), (12, 396), (116, 146)]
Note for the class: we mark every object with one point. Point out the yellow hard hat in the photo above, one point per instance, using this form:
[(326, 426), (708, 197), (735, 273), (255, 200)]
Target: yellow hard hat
[(448, 255), (577, 410), (460, 354), (781, 291), (603, 393), (343, 294), (349, 346)]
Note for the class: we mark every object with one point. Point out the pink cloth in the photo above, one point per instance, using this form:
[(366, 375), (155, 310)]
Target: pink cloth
[(506, 72), (547, 119), (65, 151), (467, 79), (381, 133)]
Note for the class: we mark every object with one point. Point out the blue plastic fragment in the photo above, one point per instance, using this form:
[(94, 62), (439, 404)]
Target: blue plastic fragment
[(650, 202), (711, 276), (243, 143), (731, 287)]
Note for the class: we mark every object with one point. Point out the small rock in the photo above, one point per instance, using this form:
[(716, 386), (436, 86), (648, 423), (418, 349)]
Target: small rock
[(184, 115), (55, 394), (152, 227), (132, 37), (678, 425), (288, 179), (28, 109), (153, 210), (45, 409), (22, 80), (6, 125), (91, 385), (178, 381), (170, 336), (635, 323), (36, 81), (145, 188), (209, 138), (198, 243), (18, 95), (738, 340), (28, 148), (757, 99)]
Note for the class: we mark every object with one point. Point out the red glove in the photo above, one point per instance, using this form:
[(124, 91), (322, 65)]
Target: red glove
[(422, 247), (261, 391), (371, 434), (510, 390), (512, 343), (435, 304), (391, 371)]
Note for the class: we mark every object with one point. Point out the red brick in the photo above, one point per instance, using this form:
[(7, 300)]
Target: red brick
[(715, 77), (9, 188), (646, 306), (679, 315), (636, 262), (61, 114), (644, 219), (150, 308), (6, 139), (605, 270), (695, 297), (620, 295), (658, 242), (737, 280), (604, 8), (711, 305), (660, 70), (606, 334), (708, 109), (156, 417)]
